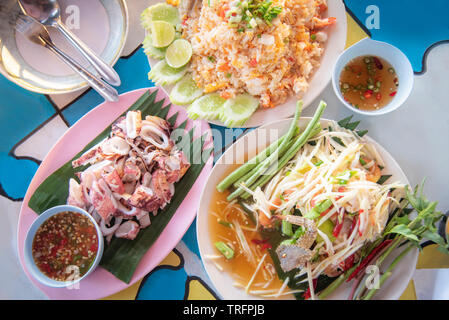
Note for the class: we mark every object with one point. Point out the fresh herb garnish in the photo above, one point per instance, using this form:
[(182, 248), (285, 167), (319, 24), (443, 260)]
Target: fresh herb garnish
[(252, 13)]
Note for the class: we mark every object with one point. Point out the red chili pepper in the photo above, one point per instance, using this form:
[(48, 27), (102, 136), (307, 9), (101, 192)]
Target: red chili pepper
[(308, 294), (337, 228), (349, 262), (378, 96), (266, 246), (258, 241), (378, 63), (368, 94), (393, 94), (93, 247), (368, 259), (354, 224)]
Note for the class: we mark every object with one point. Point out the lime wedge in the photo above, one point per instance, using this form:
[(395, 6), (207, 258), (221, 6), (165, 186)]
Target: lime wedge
[(150, 50), (185, 91), (207, 107), (237, 110), (162, 74), (160, 12), (178, 53), (163, 33)]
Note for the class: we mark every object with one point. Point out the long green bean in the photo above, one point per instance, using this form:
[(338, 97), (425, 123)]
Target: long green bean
[(299, 143), (282, 162), (274, 156), (254, 170), (261, 157)]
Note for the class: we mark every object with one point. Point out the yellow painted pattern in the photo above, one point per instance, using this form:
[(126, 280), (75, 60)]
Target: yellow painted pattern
[(130, 293), (355, 32), (431, 258), (409, 293), (198, 292)]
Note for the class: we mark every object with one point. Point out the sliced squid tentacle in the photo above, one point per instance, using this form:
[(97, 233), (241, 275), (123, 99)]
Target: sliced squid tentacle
[(155, 136), (128, 230), (105, 230)]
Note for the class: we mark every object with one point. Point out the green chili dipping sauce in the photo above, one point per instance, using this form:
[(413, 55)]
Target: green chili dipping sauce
[(65, 245), (368, 83)]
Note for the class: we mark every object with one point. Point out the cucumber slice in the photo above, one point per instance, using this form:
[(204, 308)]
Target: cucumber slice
[(163, 33), (178, 53), (207, 107), (162, 74), (152, 51), (237, 110), (185, 91), (160, 12)]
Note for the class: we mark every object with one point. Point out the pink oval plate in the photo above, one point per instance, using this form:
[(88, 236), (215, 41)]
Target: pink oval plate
[(101, 283)]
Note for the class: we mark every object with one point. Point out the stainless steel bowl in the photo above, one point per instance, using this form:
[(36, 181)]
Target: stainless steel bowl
[(15, 67)]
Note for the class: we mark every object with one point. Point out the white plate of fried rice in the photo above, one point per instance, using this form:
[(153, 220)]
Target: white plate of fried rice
[(278, 63)]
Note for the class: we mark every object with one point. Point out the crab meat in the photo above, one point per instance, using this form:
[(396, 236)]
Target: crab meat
[(128, 230), (292, 256), (311, 232)]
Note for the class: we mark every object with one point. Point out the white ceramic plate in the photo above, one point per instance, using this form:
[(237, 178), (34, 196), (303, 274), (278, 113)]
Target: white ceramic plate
[(334, 46), (222, 281)]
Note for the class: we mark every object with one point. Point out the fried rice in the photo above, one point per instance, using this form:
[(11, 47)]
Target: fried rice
[(271, 61)]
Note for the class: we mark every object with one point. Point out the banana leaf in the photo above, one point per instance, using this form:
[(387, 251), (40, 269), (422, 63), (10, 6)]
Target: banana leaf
[(121, 256)]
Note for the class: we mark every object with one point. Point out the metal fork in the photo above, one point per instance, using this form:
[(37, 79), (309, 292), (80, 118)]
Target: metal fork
[(36, 33)]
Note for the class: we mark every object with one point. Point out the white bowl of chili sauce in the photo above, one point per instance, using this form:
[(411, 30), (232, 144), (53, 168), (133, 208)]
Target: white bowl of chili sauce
[(63, 246), (373, 77)]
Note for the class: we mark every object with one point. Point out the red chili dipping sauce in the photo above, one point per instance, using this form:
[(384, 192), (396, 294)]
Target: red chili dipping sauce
[(65, 245), (368, 83)]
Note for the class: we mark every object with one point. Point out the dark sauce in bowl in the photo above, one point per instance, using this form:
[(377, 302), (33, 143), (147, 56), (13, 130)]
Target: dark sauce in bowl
[(368, 83), (65, 246)]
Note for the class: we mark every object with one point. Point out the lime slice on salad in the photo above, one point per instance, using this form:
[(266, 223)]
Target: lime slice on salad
[(237, 110), (160, 12), (185, 91), (150, 50), (207, 107), (178, 53), (163, 33), (162, 74)]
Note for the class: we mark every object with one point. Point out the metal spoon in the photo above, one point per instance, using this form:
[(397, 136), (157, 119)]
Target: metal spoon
[(36, 33), (47, 12)]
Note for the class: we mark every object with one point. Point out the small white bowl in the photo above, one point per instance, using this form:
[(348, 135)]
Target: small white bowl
[(28, 255), (393, 55)]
